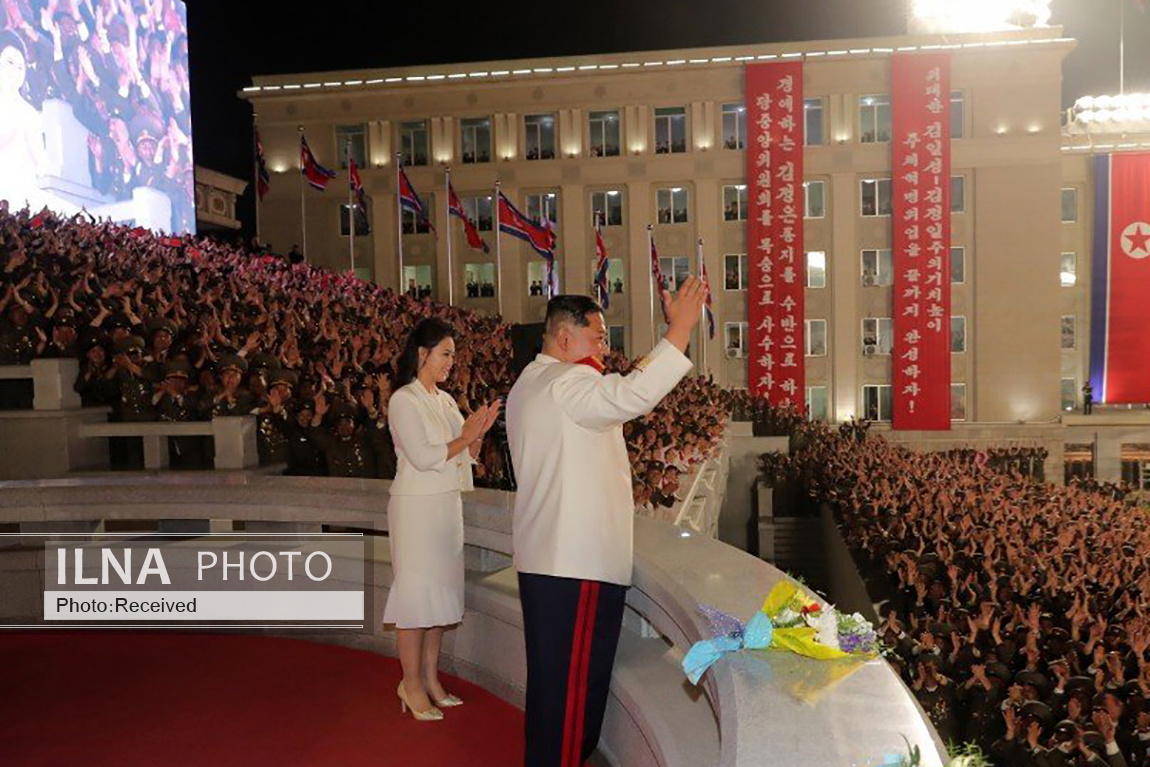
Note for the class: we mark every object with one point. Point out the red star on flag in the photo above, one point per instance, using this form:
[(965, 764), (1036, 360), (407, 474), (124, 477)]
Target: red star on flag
[(1139, 239)]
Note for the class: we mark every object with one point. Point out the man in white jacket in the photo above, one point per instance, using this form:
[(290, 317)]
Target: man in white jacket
[(572, 533)]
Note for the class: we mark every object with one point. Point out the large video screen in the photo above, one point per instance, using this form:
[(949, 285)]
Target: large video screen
[(95, 110)]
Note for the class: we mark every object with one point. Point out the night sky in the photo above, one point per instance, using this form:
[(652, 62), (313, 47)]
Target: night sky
[(232, 40)]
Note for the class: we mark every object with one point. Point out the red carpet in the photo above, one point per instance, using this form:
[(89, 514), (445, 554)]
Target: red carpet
[(174, 700)]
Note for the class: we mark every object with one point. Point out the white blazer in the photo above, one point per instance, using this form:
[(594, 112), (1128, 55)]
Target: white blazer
[(421, 425), (573, 507)]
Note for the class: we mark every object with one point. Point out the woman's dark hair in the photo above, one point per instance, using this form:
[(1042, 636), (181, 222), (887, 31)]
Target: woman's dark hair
[(427, 334), (9, 39)]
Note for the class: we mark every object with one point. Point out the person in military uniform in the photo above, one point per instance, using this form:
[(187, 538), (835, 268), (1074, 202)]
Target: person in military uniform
[(346, 448), (232, 399), (19, 341), (938, 697), (133, 400), (375, 423), (305, 457), (273, 415), (161, 331), (93, 383), (175, 401), (64, 340)]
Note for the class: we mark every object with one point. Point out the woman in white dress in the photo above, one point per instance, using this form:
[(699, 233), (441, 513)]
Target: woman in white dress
[(435, 447), (22, 150)]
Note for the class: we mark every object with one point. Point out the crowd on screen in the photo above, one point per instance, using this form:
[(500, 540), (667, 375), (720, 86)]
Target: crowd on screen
[(191, 328), (122, 67), (1016, 610)]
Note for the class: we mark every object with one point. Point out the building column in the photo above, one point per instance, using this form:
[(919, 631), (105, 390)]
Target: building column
[(639, 208), (843, 281), (575, 242), (384, 230), (1107, 457)]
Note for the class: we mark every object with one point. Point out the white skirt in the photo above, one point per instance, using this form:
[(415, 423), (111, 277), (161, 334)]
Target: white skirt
[(426, 533)]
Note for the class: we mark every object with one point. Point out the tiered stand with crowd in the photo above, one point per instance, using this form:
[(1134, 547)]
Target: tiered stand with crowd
[(190, 328)]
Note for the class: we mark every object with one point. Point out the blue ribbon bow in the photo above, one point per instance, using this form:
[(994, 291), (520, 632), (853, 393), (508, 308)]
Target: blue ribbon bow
[(704, 653)]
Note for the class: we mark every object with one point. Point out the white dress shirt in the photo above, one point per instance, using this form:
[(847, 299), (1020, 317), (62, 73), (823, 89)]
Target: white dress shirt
[(573, 506), (422, 423)]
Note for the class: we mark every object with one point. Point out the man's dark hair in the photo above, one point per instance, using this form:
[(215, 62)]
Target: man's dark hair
[(572, 309)]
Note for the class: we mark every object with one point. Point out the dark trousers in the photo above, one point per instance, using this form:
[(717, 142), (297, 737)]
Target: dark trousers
[(572, 629)]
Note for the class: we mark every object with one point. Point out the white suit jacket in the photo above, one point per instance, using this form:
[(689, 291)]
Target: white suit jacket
[(573, 506), (421, 425)]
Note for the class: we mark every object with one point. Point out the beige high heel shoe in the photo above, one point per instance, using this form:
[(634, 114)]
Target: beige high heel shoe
[(448, 701), (432, 714)]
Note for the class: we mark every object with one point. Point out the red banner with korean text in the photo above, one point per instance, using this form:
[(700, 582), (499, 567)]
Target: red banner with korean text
[(775, 256), (920, 169)]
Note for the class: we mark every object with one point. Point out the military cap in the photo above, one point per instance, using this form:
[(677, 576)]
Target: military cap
[(232, 362), (156, 324), (177, 368), (130, 343), (283, 377)]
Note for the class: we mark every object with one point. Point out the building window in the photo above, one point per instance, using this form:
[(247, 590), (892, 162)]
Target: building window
[(676, 270), (1069, 322), (876, 197), (958, 194), (1069, 393), (877, 336), (609, 205), (415, 225), (670, 130), (1069, 273), (539, 140), (672, 205), (480, 280), (617, 338), (540, 205), (476, 139), (413, 142), (957, 265), (814, 194), (877, 268), (362, 221), (876, 402), (813, 122), (874, 119), (958, 402), (417, 280), (957, 335), (735, 339), (816, 403), (816, 338), (604, 134), (358, 139), (537, 277), (816, 268), (1069, 206), (735, 271), (478, 209), (957, 110), (615, 275), (734, 126), (735, 202)]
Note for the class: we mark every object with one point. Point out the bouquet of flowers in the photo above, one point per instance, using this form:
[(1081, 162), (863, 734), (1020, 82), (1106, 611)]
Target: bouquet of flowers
[(790, 620)]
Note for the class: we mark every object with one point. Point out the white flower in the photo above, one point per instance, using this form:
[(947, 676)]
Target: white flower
[(826, 624), (786, 618)]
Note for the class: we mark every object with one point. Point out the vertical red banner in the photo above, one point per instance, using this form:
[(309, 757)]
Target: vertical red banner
[(775, 255), (920, 191)]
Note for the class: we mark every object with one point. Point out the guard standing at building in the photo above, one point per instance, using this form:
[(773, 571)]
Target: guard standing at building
[(574, 513)]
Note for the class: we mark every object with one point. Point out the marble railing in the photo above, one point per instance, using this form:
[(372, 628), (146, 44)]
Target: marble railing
[(773, 708)]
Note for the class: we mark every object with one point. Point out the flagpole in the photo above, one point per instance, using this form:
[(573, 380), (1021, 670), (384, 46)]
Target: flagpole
[(399, 221), (598, 287), (1122, 47), (302, 199), (350, 210), (256, 163), (498, 251), (651, 282), (450, 266), (702, 313)]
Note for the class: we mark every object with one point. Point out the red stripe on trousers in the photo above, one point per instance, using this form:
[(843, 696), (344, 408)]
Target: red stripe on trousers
[(584, 675), (573, 672)]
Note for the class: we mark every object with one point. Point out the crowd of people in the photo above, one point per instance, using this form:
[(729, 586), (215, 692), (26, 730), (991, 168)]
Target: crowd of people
[(1016, 610), (121, 65), (190, 328)]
